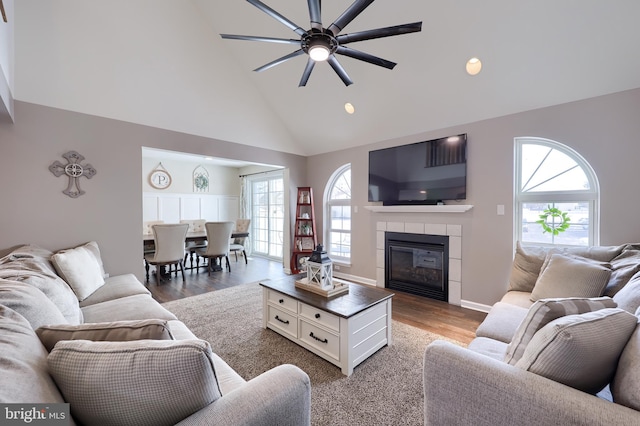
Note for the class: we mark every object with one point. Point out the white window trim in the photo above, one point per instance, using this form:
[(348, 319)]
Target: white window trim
[(592, 195), (327, 203)]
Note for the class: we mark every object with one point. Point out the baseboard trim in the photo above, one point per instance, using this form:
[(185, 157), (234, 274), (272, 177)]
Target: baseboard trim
[(355, 278), (475, 306)]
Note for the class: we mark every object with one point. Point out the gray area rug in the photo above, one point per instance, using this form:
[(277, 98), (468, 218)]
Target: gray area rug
[(386, 389)]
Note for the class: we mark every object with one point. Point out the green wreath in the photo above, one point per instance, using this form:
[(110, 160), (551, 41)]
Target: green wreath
[(201, 182), (560, 221)]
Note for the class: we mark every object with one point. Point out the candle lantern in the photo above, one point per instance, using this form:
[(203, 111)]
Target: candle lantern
[(320, 269)]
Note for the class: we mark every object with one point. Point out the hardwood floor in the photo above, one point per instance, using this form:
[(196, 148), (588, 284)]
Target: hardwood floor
[(438, 317)]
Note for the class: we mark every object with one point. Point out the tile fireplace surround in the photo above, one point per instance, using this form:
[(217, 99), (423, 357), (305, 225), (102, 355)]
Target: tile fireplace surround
[(455, 250)]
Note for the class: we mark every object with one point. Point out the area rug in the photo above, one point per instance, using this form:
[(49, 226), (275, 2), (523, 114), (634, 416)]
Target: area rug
[(386, 389)]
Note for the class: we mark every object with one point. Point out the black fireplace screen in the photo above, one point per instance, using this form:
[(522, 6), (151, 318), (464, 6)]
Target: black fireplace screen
[(417, 264)]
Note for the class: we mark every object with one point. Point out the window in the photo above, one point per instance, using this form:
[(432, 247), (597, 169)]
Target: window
[(550, 175), (267, 216), (337, 218)]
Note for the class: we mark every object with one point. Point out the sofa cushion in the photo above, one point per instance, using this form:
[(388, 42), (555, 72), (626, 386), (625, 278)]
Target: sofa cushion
[(30, 265), (625, 387), (80, 269), (580, 351), (543, 312), (489, 347), (29, 302), (525, 268), (628, 298), (118, 331), (136, 307), (23, 363), (141, 382), (623, 267), (570, 276), (116, 287)]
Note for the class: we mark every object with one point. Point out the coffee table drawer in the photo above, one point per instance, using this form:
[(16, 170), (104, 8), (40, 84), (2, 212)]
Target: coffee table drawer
[(283, 320), (319, 316), (322, 340), (284, 302)]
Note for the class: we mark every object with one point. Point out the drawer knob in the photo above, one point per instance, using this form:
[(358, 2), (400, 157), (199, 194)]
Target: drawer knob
[(317, 316), (318, 339), (281, 301), (281, 320)]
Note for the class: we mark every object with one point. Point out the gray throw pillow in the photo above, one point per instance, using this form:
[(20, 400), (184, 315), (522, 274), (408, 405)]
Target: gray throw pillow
[(525, 269), (628, 298), (625, 387), (543, 312), (580, 351), (31, 303), (143, 382), (118, 331), (623, 267), (571, 276)]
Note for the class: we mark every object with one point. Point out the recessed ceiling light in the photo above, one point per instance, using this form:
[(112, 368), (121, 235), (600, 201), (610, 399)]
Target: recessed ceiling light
[(208, 158), (349, 108), (474, 65)]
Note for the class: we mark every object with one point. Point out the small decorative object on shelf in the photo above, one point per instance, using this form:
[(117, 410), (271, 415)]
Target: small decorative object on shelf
[(319, 277)]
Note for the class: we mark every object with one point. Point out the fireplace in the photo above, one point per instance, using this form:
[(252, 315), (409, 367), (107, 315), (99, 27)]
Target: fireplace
[(417, 264)]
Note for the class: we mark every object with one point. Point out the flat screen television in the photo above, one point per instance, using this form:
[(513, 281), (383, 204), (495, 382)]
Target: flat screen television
[(420, 173)]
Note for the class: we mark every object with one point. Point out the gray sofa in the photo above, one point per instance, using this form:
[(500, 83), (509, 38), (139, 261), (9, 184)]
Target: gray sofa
[(119, 357), (562, 347)]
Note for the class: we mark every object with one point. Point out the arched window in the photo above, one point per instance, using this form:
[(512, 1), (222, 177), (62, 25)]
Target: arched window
[(337, 217), (556, 195)]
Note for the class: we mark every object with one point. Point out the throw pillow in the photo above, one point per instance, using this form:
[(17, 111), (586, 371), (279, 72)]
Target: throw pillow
[(526, 267), (625, 387), (543, 312), (94, 250), (628, 298), (144, 382), (23, 364), (80, 269), (570, 276), (580, 351), (118, 331), (623, 267), (31, 303)]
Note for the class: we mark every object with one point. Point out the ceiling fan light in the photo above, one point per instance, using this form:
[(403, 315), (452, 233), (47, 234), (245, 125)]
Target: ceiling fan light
[(319, 52), (474, 65)]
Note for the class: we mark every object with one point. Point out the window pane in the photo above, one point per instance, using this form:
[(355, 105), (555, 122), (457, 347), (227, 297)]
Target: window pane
[(341, 218), (576, 234), (342, 188), (547, 169)]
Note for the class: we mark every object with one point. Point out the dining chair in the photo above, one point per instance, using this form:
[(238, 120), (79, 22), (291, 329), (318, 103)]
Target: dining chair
[(242, 225), (196, 225), (218, 242), (169, 241)]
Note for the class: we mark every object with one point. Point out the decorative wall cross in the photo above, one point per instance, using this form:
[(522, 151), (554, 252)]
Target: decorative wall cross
[(74, 170)]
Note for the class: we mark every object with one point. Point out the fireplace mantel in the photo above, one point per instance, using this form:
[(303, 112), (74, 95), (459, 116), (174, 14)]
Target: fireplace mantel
[(446, 208)]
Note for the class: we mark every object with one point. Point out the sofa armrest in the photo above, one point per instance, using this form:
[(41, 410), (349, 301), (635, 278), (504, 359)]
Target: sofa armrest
[(280, 396), (462, 387)]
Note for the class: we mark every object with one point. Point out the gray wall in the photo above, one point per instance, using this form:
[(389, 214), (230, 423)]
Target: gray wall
[(605, 130), (34, 210)]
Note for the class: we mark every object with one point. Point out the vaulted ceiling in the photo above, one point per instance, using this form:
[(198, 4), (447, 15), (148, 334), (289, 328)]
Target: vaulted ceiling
[(163, 63)]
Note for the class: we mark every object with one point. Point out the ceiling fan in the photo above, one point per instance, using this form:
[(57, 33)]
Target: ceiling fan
[(322, 44), (4, 15)]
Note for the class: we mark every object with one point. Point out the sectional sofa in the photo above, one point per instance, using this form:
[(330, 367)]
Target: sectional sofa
[(69, 333), (562, 347)]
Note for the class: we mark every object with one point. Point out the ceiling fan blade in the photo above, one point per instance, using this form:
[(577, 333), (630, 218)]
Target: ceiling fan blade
[(314, 14), (275, 15), (380, 32), (280, 60), (307, 72), (4, 15), (339, 70), (356, 54), (255, 38), (349, 15)]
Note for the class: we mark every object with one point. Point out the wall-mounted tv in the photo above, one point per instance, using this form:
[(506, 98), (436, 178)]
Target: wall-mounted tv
[(420, 173)]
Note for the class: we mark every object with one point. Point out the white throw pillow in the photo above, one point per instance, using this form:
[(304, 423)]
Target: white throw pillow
[(80, 269), (580, 351), (570, 276), (144, 382)]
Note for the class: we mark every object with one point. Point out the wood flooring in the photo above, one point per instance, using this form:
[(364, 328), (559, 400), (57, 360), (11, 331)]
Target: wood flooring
[(437, 317)]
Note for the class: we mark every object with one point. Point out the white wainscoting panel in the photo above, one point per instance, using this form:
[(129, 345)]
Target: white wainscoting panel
[(172, 208)]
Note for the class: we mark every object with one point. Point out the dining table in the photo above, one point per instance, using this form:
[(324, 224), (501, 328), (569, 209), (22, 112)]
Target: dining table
[(192, 237)]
